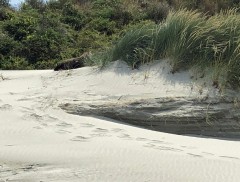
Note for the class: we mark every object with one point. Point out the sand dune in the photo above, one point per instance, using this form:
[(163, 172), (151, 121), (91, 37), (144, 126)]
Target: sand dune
[(41, 142)]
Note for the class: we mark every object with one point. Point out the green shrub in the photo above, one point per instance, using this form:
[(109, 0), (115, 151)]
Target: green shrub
[(34, 4), (121, 17), (43, 45), (5, 13), (8, 46), (14, 63), (102, 25), (157, 11), (4, 3), (56, 4), (73, 17), (20, 26), (89, 40), (43, 65)]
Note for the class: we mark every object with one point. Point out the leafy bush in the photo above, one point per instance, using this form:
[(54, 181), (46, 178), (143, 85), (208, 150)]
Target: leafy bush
[(4, 3), (42, 46), (102, 25), (14, 63), (35, 4), (73, 17), (49, 64), (5, 13), (20, 26), (157, 11), (89, 40), (7, 45)]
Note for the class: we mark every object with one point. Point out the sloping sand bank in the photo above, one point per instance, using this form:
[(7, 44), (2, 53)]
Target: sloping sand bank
[(41, 142)]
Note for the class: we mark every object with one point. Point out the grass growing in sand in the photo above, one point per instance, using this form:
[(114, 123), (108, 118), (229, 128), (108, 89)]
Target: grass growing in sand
[(189, 39)]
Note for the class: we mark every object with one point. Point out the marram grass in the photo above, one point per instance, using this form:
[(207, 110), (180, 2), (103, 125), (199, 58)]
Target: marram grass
[(134, 47), (188, 39)]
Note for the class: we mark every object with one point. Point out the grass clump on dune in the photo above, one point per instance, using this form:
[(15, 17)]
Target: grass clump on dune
[(226, 43), (134, 47), (179, 38), (188, 39)]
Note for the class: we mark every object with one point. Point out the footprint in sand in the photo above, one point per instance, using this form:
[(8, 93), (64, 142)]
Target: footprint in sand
[(49, 118), (6, 107), (116, 130), (24, 99), (8, 172), (100, 134), (63, 131), (168, 148), (30, 167), (229, 157), (33, 116), (188, 147), (87, 125), (125, 136), (27, 109), (149, 145), (80, 139), (207, 153), (157, 141), (9, 145), (141, 139), (37, 127), (100, 130), (64, 125), (194, 155)]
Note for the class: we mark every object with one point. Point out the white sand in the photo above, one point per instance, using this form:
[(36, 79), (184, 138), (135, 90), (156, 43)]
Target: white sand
[(40, 142)]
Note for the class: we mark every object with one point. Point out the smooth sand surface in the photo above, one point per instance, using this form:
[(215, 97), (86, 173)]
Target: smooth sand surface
[(40, 142)]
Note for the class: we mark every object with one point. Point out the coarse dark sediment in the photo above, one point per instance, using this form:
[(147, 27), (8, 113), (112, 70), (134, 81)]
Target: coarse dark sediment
[(218, 118)]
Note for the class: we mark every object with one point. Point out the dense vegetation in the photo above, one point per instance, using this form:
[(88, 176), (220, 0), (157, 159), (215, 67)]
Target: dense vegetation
[(192, 33), (189, 40)]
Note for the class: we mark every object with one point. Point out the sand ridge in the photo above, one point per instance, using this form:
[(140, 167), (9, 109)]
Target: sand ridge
[(41, 142)]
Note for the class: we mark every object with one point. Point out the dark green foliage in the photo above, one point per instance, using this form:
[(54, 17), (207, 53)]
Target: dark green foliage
[(73, 17), (8, 46), (157, 11), (14, 63), (5, 13), (43, 45), (35, 4), (102, 25), (4, 3), (20, 26), (90, 40), (41, 33)]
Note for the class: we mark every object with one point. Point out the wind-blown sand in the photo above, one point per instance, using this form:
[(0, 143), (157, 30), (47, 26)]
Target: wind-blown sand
[(41, 142)]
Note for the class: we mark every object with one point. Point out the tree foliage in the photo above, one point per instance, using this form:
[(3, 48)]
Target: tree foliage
[(4, 3)]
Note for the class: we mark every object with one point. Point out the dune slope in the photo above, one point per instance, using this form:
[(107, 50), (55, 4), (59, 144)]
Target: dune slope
[(41, 142)]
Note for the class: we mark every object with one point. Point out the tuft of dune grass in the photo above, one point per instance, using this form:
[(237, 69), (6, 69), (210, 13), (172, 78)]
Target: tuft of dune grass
[(134, 47), (180, 39)]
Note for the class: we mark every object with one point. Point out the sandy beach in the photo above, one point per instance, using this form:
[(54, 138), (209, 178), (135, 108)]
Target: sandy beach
[(40, 142)]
